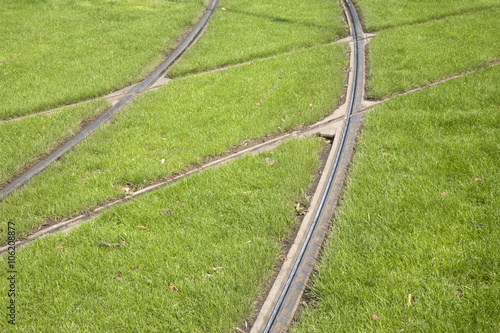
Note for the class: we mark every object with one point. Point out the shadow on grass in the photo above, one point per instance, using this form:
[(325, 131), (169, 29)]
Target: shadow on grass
[(277, 19)]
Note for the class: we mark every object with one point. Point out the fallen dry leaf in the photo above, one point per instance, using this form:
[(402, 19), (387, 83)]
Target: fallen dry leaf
[(269, 161), (120, 273), (375, 317), (385, 154), (141, 227), (459, 293), (409, 299), (126, 188), (443, 193), (60, 247), (477, 178), (172, 287), (103, 243), (223, 9)]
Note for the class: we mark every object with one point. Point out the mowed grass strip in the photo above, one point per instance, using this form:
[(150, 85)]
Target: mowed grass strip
[(383, 14), (193, 255), (412, 56), (57, 52), (420, 217), (184, 123), (23, 141), (242, 30)]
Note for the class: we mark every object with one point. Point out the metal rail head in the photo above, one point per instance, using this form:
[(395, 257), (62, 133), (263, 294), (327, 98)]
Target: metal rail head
[(355, 94)]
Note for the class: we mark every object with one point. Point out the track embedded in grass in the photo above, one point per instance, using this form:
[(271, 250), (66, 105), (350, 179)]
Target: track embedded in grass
[(131, 94), (281, 304)]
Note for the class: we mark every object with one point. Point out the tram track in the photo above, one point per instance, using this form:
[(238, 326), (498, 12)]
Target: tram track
[(331, 127), (283, 299), (323, 127), (342, 125), (122, 101)]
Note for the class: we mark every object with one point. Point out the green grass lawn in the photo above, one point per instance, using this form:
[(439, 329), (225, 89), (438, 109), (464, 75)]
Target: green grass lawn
[(420, 216), (185, 122), (56, 52), (383, 14), (411, 56), (194, 257), (242, 30), (23, 141)]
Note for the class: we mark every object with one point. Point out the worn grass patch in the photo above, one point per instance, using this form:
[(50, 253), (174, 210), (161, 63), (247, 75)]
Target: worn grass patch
[(25, 140), (57, 52), (243, 30), (193, 255), (412, 56), (383, 14), (420, 216), (184, 123)]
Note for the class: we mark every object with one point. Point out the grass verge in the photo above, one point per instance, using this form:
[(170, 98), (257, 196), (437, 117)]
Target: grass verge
[(25, 140), (412, 56), (383, 14), (97, 46), (420, 217), (184, 123), (193, 258), (243, 30)]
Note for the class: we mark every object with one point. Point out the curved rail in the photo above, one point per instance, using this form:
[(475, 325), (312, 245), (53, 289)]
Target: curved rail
[(127, 98), (291, 292)]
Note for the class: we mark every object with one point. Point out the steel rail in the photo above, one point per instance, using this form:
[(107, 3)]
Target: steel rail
[(127, 98), (272, 324)]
